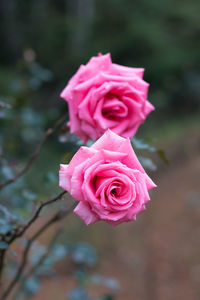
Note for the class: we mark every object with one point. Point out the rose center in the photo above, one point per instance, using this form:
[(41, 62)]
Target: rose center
[(113, 188), (114, 108), (116, 191)]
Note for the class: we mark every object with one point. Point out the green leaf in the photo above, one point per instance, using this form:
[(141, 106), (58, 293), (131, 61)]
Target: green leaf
[(13, 253), (59, 252), (162, 155), (79, 293), (6, 228), (5, 211), (7, 172), (142, 145), (83, 253), (50, 177), (3, 245), (147, 163), (29, 195), (81, 276), (4, 105), (32, 285), (106, 297), (8, 217), (109, 282)]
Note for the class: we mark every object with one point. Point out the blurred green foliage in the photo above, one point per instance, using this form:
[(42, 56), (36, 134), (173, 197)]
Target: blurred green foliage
[(162, 36), (43, 42)]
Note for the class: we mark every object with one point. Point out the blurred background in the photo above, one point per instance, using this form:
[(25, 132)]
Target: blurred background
[(43, 42)]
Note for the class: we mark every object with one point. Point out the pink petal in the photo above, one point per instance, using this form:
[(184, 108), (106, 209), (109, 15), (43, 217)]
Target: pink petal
[(64, 179), (81, 155), (85, 213), (149, 182), (109, 141), (127, 71), (91, 131), (131, 159), (66, 93), (148, 108)]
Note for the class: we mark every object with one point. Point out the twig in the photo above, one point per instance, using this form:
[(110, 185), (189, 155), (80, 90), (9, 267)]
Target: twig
[(33, 269), (20, 231), (2, 256), (58, 216), (35, 154), (36, 215), (23, 229)]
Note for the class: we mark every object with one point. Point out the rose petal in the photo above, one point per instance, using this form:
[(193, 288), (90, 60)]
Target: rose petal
[(108, 141), (127, 71), (81, 155), (64, 179), (85, 213)]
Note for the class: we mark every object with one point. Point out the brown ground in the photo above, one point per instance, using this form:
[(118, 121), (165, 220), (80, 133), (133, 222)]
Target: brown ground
[(158, 256)]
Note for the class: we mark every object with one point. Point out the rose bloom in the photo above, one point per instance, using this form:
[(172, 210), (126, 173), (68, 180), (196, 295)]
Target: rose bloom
[(108, 181), (104, 95)]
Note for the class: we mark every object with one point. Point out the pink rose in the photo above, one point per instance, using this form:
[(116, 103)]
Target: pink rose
[(107, 180), (104, 95)]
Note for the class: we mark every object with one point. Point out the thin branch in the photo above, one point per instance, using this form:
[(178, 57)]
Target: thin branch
[(58, 216), (2, 257), (35, 154), (36, 214), (34, 268), (23, 229)]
